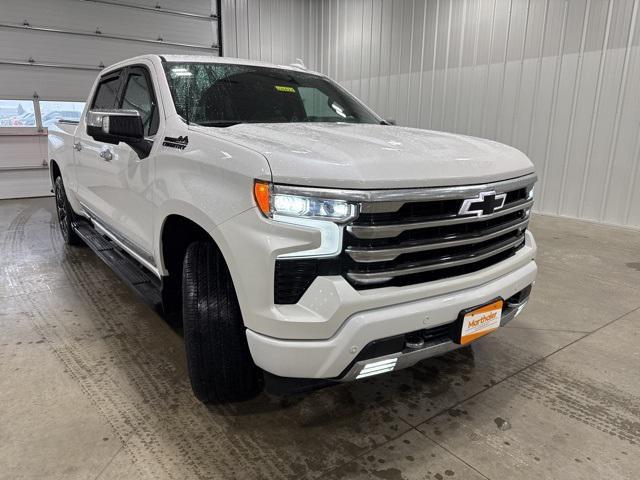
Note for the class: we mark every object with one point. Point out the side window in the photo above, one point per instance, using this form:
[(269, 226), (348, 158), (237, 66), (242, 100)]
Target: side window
[(138, 95), (105, 97)]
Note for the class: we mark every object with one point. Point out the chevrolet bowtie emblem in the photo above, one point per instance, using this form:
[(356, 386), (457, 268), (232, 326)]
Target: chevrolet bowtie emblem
[(484, 204)]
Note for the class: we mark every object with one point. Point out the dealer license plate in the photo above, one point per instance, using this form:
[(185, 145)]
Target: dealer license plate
[(480, 321)]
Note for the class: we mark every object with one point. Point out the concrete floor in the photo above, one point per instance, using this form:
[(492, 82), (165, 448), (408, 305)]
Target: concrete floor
[(93, 384)]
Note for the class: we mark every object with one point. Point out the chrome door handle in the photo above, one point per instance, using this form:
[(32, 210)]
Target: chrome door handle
[(106, 154), (77, 146)]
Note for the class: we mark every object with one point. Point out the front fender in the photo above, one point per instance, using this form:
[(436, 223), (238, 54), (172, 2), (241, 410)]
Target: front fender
[(183, 209), (208, 182)]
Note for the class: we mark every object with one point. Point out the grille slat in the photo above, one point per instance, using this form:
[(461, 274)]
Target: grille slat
[(417, 241), (440, 263), (390, 229), (372, 254)]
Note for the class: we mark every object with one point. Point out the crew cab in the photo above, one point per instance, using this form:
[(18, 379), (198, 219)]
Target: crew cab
[(297, 237)]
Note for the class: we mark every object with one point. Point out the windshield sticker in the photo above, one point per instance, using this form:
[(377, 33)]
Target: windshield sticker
[(282, 88)]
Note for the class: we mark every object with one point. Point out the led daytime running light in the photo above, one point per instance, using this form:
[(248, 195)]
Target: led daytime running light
[(279, 204)]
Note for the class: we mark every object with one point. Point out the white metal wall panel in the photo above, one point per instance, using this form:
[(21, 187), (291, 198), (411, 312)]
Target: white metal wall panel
[(20, 82), (56, 84), (556, 78), (277, 31), (199, 7), (64, 32), (91, 16), (26, 150)]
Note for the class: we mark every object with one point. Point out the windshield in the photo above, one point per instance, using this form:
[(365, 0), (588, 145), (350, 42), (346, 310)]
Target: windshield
[(221, 95)]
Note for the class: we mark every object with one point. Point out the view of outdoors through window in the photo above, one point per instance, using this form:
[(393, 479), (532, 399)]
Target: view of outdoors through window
[(17, 113), (54, 111), (21, 113)]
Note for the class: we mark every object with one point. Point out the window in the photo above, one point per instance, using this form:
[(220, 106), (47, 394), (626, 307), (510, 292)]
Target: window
[(53, 111), (17, 113), (21, 113), (105, 97), (221, 95), (138, 95), (319, 107)]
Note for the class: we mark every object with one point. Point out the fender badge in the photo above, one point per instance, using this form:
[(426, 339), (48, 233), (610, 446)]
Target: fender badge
[(179, 143)]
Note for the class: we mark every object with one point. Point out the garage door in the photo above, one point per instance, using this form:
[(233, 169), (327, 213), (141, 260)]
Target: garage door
[(51, 52)]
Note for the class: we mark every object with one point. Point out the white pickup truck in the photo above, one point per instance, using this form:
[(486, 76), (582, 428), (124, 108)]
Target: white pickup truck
[(298, 238)]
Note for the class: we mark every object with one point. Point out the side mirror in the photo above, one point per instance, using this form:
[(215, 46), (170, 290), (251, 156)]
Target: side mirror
[(115, 126)]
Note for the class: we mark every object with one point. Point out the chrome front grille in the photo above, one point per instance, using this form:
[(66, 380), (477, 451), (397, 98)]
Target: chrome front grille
[(414, 236)]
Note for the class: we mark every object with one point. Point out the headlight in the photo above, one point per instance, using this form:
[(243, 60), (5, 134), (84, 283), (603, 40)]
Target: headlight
[(278, 204), (325, 215)]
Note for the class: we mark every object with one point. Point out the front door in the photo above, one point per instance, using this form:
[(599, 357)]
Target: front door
[(92, 171), (118, 184)]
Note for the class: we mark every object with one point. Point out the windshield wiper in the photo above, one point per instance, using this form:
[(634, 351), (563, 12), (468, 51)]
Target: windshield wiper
[(220, 123)]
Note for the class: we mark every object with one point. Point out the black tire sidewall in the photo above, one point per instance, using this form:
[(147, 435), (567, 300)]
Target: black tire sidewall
[(66, 224), (220, 365)]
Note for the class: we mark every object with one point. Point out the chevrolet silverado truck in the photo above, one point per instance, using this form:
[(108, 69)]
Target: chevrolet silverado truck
[(296, 237)]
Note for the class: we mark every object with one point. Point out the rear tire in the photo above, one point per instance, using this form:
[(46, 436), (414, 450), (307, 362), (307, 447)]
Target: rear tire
[(220, 365), (66, 215)]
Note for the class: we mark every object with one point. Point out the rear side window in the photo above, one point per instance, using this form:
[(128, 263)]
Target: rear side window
[(106, 93), (138, 95)]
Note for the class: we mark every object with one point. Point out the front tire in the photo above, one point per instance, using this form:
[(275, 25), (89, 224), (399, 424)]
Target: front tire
[(218, 357), (66, 214)]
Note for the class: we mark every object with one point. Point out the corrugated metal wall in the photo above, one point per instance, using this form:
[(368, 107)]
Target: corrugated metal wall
[(277, 31), (559, 79)]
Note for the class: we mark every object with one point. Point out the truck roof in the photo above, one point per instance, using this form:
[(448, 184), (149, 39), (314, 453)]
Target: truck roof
[(207, 59)]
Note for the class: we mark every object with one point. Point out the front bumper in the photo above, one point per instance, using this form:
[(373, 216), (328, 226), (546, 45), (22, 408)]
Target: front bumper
[(437, 341), (337, 357)]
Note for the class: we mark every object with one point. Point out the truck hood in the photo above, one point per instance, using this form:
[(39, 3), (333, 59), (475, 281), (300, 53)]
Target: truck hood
[(369, 156)]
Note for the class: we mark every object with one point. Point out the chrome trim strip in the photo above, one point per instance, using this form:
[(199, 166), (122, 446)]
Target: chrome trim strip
[(386, 275), (387, 254), (395, 229), (404, 359), (101, 229), (95, 118), (23, 167), (513, 311), (115, 111), (143, 258), (400, 196)]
